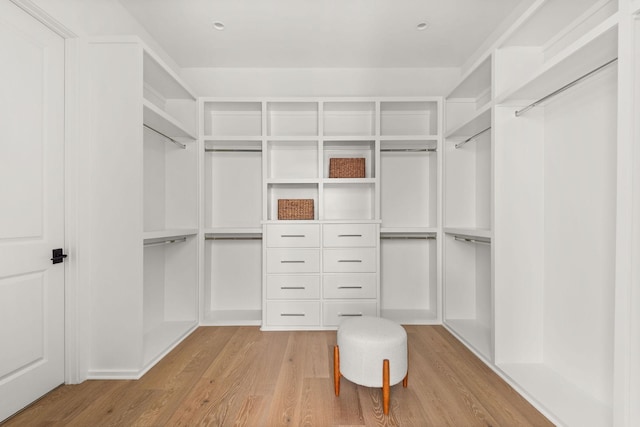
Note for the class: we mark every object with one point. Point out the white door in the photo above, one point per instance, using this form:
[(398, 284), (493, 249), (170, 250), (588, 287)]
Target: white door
[(31, 209)]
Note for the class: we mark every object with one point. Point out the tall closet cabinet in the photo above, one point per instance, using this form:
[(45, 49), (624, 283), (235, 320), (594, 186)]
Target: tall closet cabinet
[(531, 191), (143, 208), (368, 244)]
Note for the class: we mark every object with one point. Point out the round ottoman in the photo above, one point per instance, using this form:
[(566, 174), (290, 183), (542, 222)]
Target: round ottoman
[(372, 352)]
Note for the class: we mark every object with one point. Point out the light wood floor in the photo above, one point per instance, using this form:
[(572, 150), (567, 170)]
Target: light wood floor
[(242, 376)]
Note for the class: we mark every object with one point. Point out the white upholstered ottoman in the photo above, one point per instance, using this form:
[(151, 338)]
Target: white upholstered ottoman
[(372, 352)]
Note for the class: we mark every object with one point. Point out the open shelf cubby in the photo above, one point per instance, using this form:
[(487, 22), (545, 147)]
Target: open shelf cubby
[(343, 118), (240, 205), (238, 118), (468, 296), (292, 160), (350, 149), (468, 183), (408, 278), (296, 118), (170, 294), (233, 272), (409, 184), (408, 118)]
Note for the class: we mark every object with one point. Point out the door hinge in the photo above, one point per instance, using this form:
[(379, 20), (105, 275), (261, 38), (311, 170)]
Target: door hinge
[(58, 256)]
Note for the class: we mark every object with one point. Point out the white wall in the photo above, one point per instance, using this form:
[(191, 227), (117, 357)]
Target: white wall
[(265, 82)]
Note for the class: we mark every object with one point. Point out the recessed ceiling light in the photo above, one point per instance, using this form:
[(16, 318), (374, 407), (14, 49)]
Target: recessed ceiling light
[(218, 25), (422, 26)]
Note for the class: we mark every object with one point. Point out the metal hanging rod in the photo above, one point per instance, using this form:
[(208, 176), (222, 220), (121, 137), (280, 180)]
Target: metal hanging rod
[(232, 150), (409, 150), (460, 144), (407, 237), (563, 88), (165, 242), (233, 238), (179, 144), (470, 240)]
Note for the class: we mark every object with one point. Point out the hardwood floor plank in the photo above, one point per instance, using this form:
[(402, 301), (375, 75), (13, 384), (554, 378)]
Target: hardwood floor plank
[(224, 376)]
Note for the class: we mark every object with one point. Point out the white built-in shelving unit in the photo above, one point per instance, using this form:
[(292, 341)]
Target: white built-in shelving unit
[(258, 151), (467, 216), (530, 208), (144, 263)]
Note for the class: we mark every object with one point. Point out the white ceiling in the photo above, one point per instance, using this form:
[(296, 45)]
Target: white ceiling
[(320, 33)]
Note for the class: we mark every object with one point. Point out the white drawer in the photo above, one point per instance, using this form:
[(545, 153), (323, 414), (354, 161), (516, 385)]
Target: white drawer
[(349, 235), (293, 287), (293, 260), (336, 311), (293, 313), (361, 260), (348, 286), (293, 235)]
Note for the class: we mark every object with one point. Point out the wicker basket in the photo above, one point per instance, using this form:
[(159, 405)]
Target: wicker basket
[(346, 168), (295, 209)]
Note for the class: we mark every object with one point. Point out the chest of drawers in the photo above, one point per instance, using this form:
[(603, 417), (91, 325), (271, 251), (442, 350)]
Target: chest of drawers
[(319, 274)]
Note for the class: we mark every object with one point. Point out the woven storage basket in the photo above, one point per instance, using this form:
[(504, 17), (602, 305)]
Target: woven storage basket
[(346, 168), (295, 209)]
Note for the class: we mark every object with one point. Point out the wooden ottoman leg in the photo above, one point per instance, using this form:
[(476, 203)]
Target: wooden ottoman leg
[(336, 370), (405, 381), (385, 386)]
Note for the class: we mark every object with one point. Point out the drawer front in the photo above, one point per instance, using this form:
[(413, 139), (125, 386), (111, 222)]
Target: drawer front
[(348, 286), (293, 236), (349, 235), (293, 287), (361, 260), (293, 313), (293, 260), (336, 311)]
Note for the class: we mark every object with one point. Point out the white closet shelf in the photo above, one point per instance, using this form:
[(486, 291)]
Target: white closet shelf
[(340, 181), (233, 230), (292, 181), (635, 7), (410, 317), (420, 137), (408, 230), (233, 318), (469, 232), (162, 122), (163, 338), (163, 79), (349, 138), (557, 395), (475, 82), (305, 137), (323, 221), (590, 51), (218, 138), (474, 333), (480, 121), (171, 233)]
